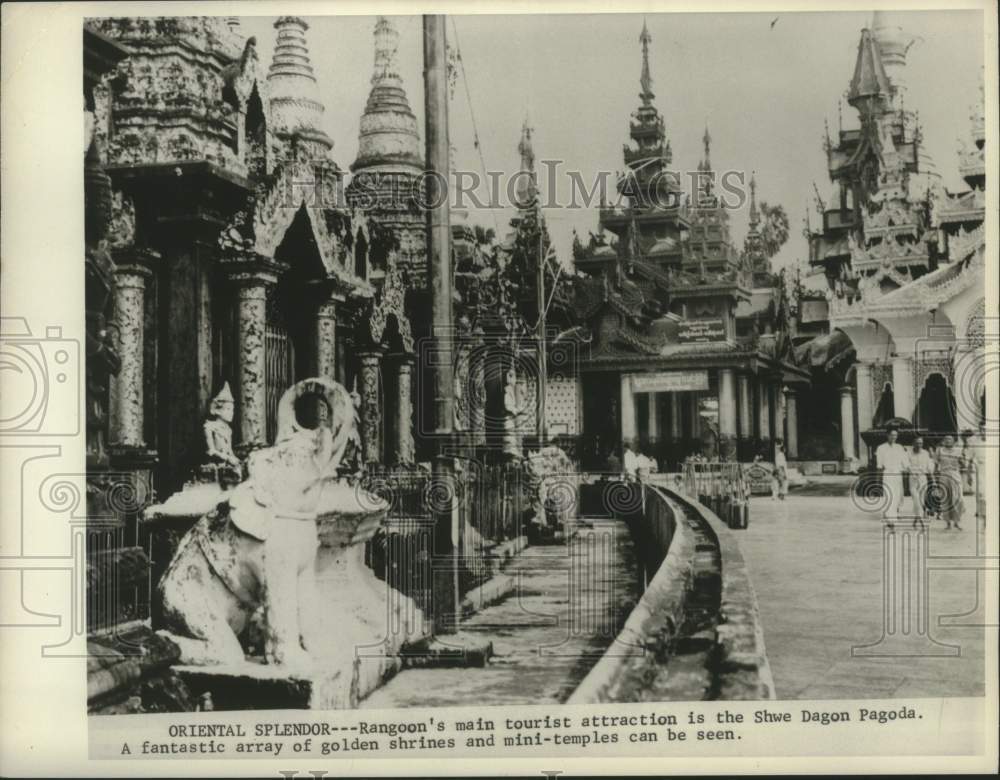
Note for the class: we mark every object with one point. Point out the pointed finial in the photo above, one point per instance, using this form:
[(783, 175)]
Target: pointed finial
[(386, 46), (645, 80), (524, 147), (707, 141), (526, 188), (754, 216)]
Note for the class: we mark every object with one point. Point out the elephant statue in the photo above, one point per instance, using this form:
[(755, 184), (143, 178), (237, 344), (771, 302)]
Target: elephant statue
[(255, 552)]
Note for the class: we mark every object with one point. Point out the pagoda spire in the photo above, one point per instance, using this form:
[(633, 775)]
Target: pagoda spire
[(526, 184), (388, 136), (893, 44), (296, 108), (645, 80), (705, 166), (754, 214), (869, 82)]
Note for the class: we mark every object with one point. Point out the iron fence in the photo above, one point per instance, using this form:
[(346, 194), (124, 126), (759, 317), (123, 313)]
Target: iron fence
[(723, 487)]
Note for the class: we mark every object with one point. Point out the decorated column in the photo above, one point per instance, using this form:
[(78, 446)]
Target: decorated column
[(694, 408), (326, 338), (746, 407), (970, 381), (126, 427), (902, 386), (628, 411), (252, 323), (477, 393), (654, 419), (676, 423), (371, 411), (403, 449), (863, 371), (764, 410), (847, 422), (727, 403), (791, 423)]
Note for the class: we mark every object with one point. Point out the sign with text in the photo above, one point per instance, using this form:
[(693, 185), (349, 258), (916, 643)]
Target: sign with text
[(699, 331), (669, 381)]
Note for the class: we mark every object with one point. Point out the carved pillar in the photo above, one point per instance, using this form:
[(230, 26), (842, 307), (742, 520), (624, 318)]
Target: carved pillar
[(628, 411), (847, 422), (902, 386), (126, 427), (727, 402), (654, 420), (477, 394), (676, 421), (694, 409), (764, 410), (252, 323), (403, 449), (371, 411), (969, 384), (792, 424), (326, 338), (746, 407), (863, 372)]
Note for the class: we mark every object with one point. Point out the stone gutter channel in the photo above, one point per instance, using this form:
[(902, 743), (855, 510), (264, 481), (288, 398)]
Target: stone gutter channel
[(696, 632)]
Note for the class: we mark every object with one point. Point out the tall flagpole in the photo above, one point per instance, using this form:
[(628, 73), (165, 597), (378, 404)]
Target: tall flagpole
[(543, 379), (447, 542)]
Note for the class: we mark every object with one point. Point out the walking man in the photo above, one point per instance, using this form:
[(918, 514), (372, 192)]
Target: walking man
[(891, 460), (921, 467)]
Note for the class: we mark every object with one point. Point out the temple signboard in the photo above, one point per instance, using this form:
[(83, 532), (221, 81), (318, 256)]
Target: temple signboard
[(669, 381), (701, 331)]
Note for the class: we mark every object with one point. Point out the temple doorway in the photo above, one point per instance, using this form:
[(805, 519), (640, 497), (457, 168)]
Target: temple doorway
[(936, 408), (886, 409)]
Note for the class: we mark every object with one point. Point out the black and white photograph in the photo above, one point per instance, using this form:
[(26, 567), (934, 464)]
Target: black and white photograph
[(531, 385)]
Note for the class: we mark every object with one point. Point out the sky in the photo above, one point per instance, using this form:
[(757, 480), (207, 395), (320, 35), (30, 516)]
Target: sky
[(764, 89)]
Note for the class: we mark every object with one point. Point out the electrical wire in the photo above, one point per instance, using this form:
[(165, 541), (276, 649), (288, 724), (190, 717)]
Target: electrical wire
[(472, 115)]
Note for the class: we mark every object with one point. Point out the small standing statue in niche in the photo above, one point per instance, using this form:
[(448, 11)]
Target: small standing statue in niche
[(219, 439)]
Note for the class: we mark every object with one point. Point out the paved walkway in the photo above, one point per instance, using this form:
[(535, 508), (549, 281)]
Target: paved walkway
[(569, 604), (817, 566)]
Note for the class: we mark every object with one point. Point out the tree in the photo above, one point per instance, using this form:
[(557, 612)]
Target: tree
[(485, 237), (774, 228)]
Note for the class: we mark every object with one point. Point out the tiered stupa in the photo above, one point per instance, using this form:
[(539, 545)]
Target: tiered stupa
[(387, 172), (296, 108)]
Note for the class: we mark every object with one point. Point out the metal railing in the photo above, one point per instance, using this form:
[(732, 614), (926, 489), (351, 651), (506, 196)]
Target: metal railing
[(723, 487), (491, 502)]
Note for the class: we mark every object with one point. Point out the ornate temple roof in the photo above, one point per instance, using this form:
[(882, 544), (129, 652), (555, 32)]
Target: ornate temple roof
[(388, 138), (296, 108)]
